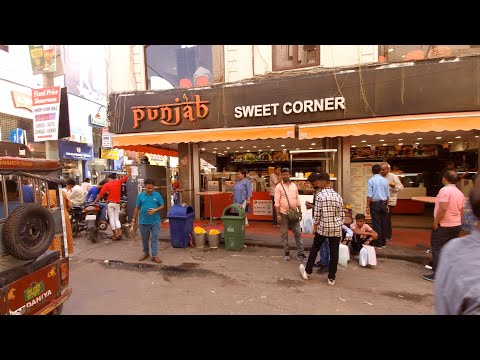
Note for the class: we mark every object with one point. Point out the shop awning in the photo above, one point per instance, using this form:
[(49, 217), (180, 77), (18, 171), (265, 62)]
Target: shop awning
[(149, 149), (392, 125), (205, 135)]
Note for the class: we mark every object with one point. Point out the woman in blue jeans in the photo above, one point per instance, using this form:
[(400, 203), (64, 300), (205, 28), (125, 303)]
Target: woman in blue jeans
[(149, 204)]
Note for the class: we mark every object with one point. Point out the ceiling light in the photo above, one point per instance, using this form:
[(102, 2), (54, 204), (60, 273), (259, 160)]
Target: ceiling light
[(458, 137), (438, 137), (254, 146), (312, 144), (390, 50), (272, 150), (248, 150), (236, 150), (417, 143), (400, 139), (354, 145), (203, 149), (364, 140), (476, 136), (419, 138), (400, 143), (214, 152), (268, 145), (381, 140), (310, 148), (241, 147), (260, 150), (225, 151), (450, 142), (282, 145), (228, 147), (384, 144), (369, 145)]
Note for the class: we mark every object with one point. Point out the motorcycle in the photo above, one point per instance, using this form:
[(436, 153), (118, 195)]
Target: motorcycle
[(94, 224), (77, 220)]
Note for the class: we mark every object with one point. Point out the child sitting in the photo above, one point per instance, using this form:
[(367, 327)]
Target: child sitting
[(363, 233)]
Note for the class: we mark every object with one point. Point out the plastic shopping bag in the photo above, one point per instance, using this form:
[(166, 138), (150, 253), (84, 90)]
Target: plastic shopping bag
[(372, 255), (363, 257), (343, 255), (307, 224)]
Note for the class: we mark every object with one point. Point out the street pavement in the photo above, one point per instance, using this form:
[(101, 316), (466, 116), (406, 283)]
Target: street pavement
[(107, 278)]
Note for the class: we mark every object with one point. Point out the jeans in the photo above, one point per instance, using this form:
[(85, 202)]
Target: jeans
[(378, 211), (334, 243), (325, 254), (145, 231), (274, 211), (114, 215), (103, 211), (295, 226), (439, 238)]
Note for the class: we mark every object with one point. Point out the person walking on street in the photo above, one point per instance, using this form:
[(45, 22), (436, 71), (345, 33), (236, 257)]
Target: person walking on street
[(286, 198), (114, 189), (395, 186), (242, 192), (447, 214), (458, 271), (274, 180), (149, 203), (377, 204), (328, 221)]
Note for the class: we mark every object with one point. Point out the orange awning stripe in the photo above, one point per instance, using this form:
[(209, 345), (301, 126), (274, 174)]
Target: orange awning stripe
[(205, 135), (149, 149), (392, 125)]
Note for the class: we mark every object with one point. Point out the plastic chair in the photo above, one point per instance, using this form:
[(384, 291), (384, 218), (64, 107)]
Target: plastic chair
[(185, 83), (201, 81)]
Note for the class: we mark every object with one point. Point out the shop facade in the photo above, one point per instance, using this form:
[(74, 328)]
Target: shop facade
[(74, 157), (308, 119)]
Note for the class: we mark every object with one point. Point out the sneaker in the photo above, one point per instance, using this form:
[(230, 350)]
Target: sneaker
[(322, 270), (428, 267), (286, 257), (331, 282), (156, 259), (301, 257), (429, 277), (384, 246), (303, 272)]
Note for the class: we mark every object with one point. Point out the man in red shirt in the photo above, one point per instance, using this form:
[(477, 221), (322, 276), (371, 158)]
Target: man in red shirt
[(114, 189)]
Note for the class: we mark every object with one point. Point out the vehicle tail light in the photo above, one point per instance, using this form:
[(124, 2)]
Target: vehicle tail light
[(64, 275), (91, 209)]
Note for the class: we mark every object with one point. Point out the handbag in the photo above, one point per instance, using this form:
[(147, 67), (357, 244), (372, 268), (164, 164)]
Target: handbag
[(293, 215)]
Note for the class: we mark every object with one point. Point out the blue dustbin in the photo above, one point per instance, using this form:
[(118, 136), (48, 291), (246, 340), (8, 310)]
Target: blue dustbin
[(180, 219)]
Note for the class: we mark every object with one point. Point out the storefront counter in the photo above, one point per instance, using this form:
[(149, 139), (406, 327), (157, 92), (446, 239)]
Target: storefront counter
[(405, 204), (260, 203)]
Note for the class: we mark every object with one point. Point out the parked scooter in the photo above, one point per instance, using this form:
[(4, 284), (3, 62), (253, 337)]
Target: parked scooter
[(94, 223)]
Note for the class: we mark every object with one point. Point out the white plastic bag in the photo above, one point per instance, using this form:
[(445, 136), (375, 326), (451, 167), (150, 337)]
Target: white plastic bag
[(343, 255), (372, 255), (363, 256), (307, 224)]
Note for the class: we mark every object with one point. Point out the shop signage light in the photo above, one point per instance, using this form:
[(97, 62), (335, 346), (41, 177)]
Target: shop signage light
[(315, 105), (171, 114)]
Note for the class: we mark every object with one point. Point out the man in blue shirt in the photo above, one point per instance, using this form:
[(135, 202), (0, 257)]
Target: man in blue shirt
[(92, 195), (27, 191), (149, 204), (377, 204)]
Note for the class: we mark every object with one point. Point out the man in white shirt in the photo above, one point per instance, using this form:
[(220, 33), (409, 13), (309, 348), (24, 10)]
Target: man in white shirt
[(395, 186), (86, 185), (75, 193)]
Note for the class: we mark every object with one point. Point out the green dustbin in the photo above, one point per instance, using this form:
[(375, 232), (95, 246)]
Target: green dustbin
[(234, 227)]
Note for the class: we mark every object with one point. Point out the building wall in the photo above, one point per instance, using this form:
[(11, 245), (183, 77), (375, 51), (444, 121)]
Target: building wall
[(10, 122), (239, 65), (126, 70)]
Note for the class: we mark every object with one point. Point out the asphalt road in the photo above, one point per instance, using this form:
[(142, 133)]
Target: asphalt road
[(255, 280)]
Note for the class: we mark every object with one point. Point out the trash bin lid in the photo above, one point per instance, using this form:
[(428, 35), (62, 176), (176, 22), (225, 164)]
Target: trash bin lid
[(238, 209), (179, 211)]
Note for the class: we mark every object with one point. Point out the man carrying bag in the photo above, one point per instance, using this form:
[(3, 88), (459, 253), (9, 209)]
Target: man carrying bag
[(287, 205)]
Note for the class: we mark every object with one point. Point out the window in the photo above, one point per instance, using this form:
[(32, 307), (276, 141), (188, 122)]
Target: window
[(295, 56), (399, 53)]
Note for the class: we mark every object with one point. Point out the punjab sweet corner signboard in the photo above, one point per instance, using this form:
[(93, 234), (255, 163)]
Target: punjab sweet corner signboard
[(46, 112)]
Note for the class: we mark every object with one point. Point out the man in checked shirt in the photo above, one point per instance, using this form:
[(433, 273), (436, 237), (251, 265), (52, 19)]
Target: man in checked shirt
[(328, 220)]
